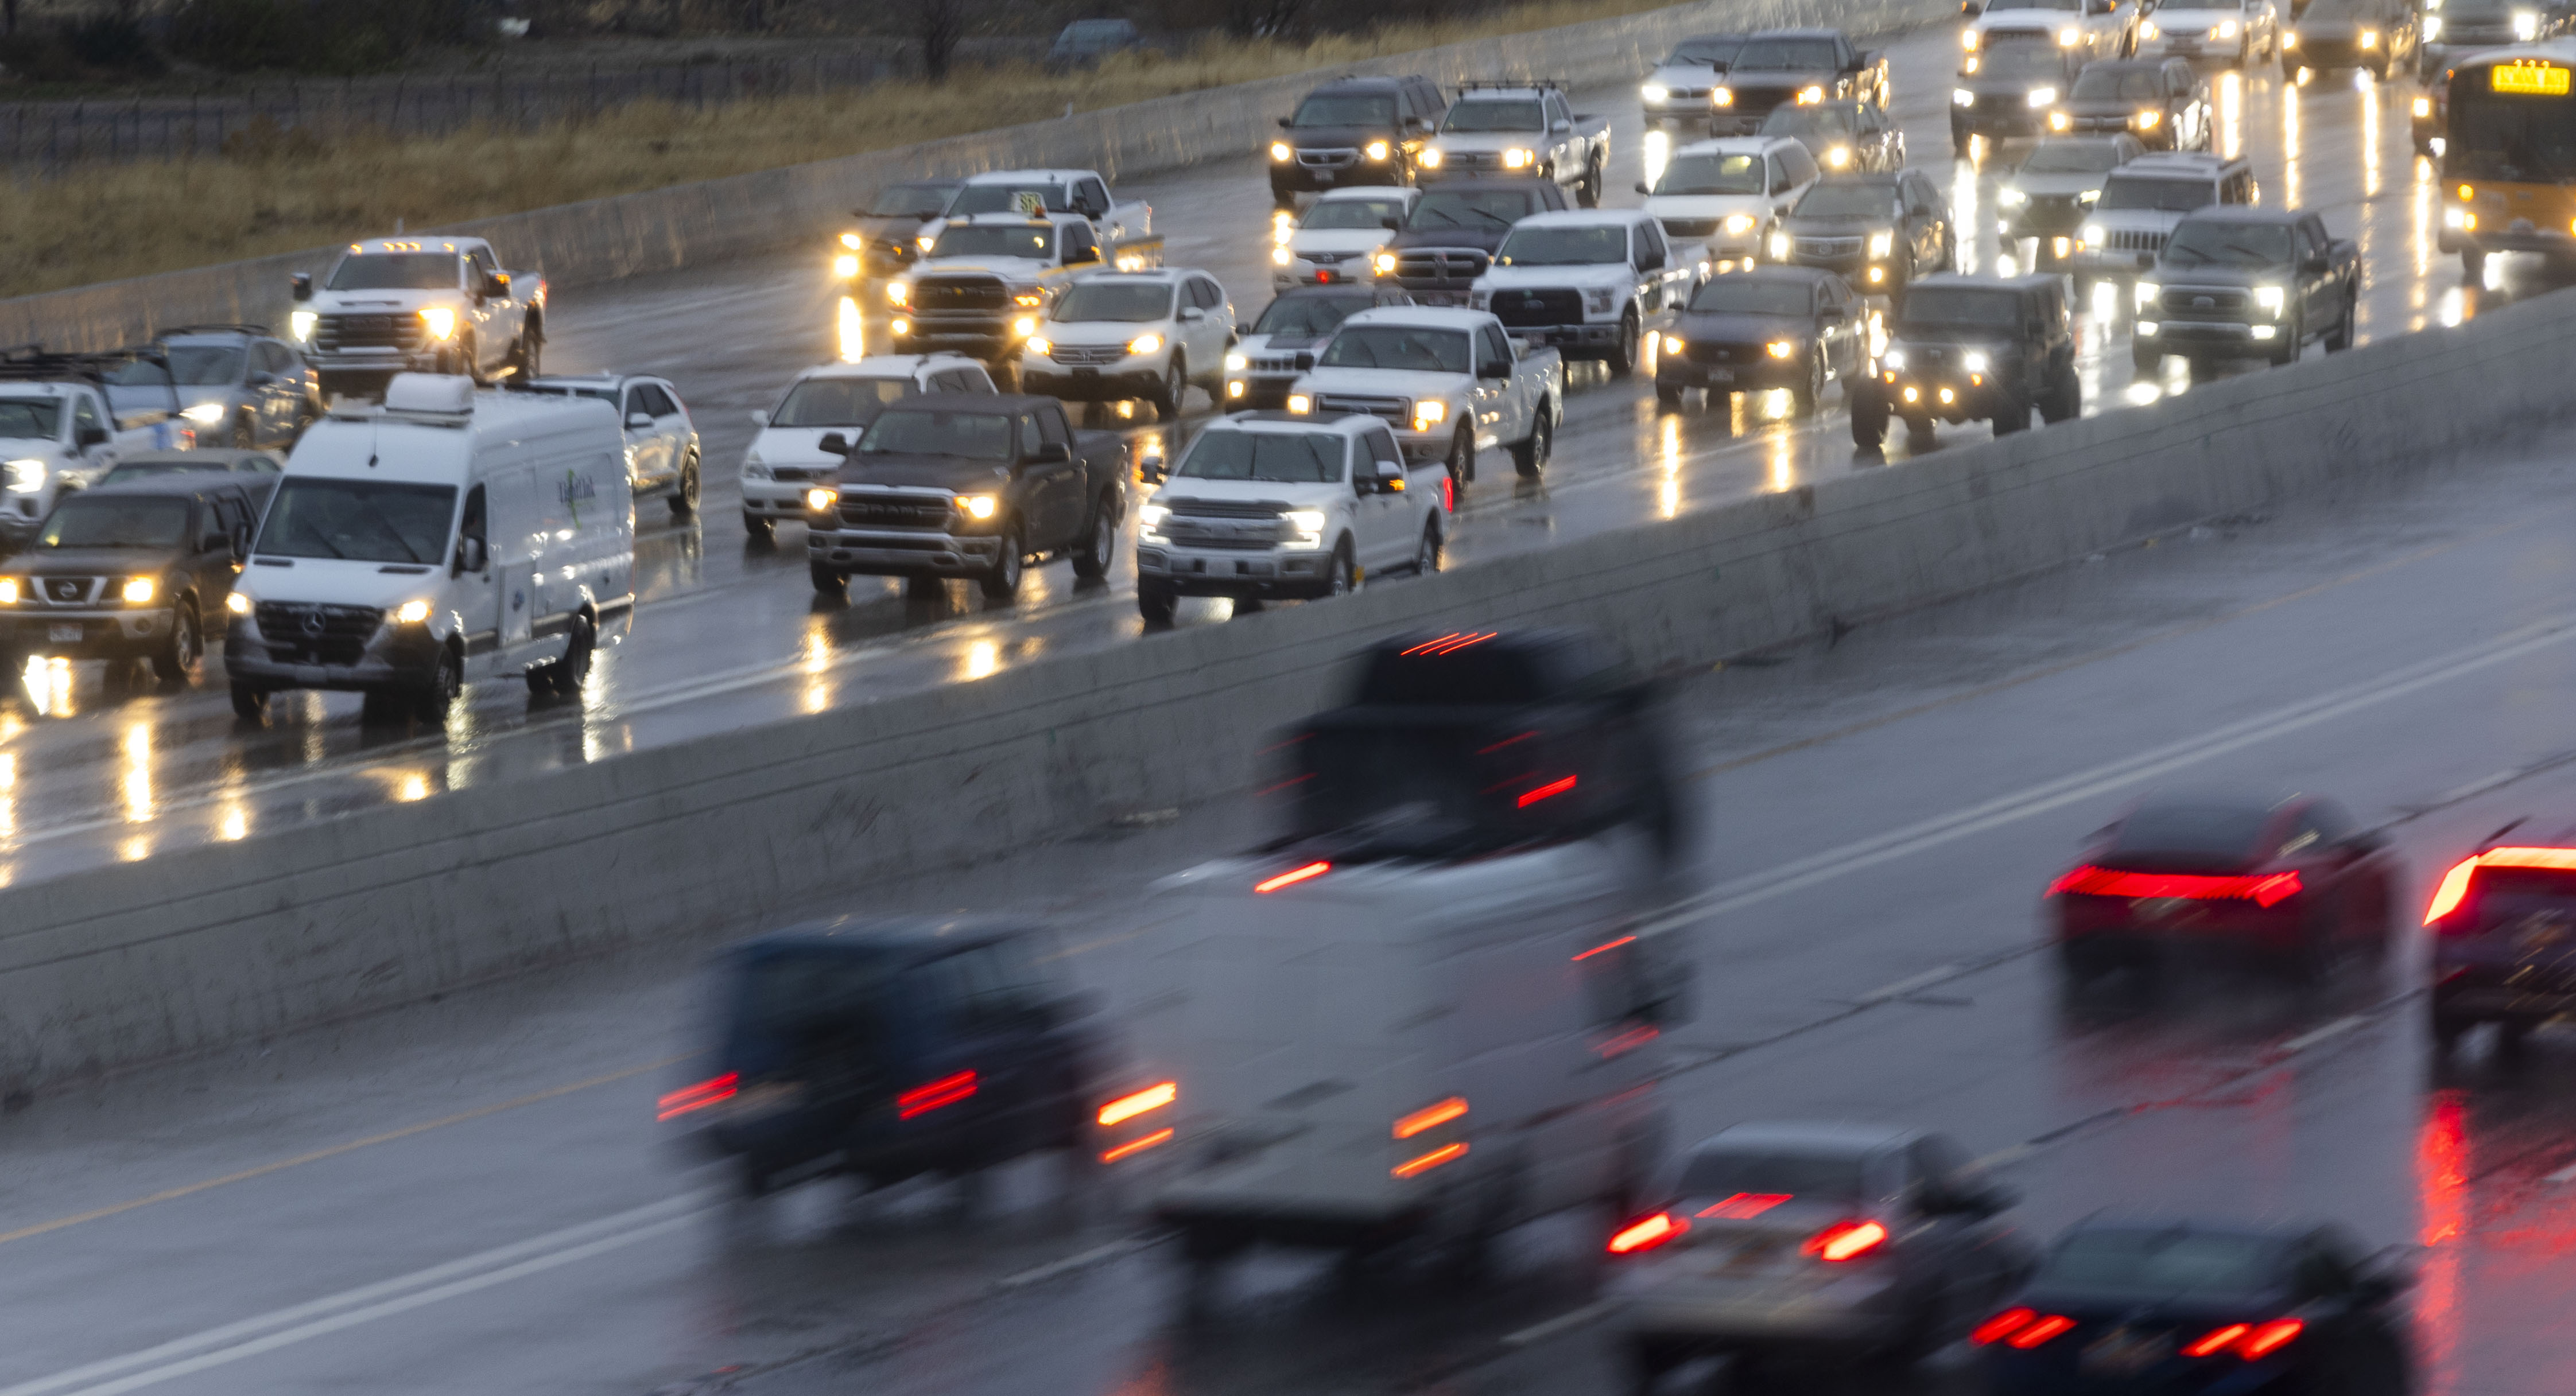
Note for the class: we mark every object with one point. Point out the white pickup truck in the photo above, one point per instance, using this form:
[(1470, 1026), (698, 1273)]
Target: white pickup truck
[(59, 431), (986, 281), (1589, 282), (418, 305), (1521, 129), (1448, 382)]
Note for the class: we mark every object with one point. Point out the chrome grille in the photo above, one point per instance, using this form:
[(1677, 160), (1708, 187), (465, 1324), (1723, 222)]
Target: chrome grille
[(937, 293), (1540, 307), (1700, 353), (338, 332), (2204, 299), (69, 591), (1829, 247), (1442, 265), (1391, 409), (1088, 354), (1690, 227), (1226, 508), (1327, 159), (300, 633), (1281, 363), (2135, 240), (863, 512)]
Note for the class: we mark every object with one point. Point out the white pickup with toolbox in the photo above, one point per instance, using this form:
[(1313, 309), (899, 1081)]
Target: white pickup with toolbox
[(438, 305), (1449, 383), (1590, 282)]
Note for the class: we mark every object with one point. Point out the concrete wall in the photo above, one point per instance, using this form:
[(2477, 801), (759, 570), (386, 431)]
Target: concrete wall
[(198, 949), (690, 225)]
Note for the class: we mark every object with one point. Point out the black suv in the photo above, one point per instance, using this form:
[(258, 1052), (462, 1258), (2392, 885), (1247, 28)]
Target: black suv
[(1788, 66), (1969, 347), (2235, 281), (1877, 231), (131, 570), (889, 1048), (1450, 237), (1353, 131)]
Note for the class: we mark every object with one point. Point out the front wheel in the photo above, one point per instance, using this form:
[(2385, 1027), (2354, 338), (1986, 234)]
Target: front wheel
[(1462, 459), (1167, 398), (528, 354), (1869, 419), (2473, 264), (684, 496), (250, 704), (1003, 582), (431, 702), (1588, 191), (564, 677), (827, 582), (1804, 396), (178, 656), (1623, 358), (1529, 457), (1155, 603), (2145, 357), (1426, 558), (760, 530), (1092, 563), (2012, 415), (1346, 573), (2341, 339), (1668, 396)]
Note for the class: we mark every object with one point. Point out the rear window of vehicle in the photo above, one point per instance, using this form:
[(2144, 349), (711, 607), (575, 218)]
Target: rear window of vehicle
[(2186, 832), (1794, 1173), (1304, 458), (839, 402), (2163, 195), (810, 1002), (2163, 1264)]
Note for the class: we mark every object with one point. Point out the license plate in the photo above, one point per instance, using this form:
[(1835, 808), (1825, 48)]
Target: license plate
[(1086, 373), (64, 634), (1323, 176), (1721, 375)]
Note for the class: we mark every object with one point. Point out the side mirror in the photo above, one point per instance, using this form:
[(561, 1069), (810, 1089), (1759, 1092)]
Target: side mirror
[(1048, 453), (260, 378), (302, 285), (1491, 369), (2315, 261), (497, 285), (1391, 224), (1305, 360), (760, 418), (241, 541), (1561, 127), (472, 555), (1191, 314), (639, 421), (1150, 469), (833, 443), (1287, 123), (87, 437), (1082, 256)]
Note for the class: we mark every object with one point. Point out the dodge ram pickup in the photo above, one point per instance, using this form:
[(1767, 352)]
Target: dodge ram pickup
[(1521, 129), (1448, 382), (985, 284), (1449, 238), (418, 305)]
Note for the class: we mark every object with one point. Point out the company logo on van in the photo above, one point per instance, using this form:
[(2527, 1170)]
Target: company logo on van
[(575, 490)]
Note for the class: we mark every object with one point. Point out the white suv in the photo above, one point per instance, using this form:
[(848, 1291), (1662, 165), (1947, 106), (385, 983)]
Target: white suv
[(1338, 234), (788, 455), (1728, 193), (1144, 335), (2144, 199)]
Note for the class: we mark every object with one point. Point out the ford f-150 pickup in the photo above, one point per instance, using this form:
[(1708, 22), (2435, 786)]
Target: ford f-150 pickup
[(2236, 281), (1590, 282), (418, 305), (1448, 382), (986, 283)]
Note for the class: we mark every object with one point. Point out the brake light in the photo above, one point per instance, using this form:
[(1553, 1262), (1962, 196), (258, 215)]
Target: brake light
[(2001, 1326), (1448, 494), (2038, 1334), (1606, 945), (1446, 1153), (1431, 1117), (1745, 1206), (1292, 877), (1648, 1234), (2262, 889), (2251, 1341), (700, 1096), (1136, 1146), (1846, 1240), (1128, 1107), (1551, 789), (947, 1090), (2455, 883), (1449, 643), (2217, 1340), (2453, 891)]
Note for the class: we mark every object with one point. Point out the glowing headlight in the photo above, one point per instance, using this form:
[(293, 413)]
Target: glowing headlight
[(1780, 247), (2432, 31), (1975, 362), (237, 603), (1040, 344), (1300, 403), (2370, 38), (412, 613), (2059, 121), (978, 506), (1655, 92), (2010, 197), (1880, 244), (1431, 159), (1721, 97), (2042, 96), (845, 266), (1280, 152), (1893, 358), (1149, 515), (1144, 344), (1024, 326), (1810, 96), (2092, 234), (1309, 522), (300, 323), (2067, 38), (1516, 159), (850, 241), (25, 476), (2147, 120), (2147, 293), (1281, 256), (1385, 263), (2147, 30), (2271, 299), (1673, 344), (2526, 25), (2423, 107), (1780, 348), (1030, 299), (1739, 223), (2290, 38), (2224, 29), (821, 498), (1962, 97), (1838, 156), (8, 591), (205, 414), (1237, 363), (138, 591), (1431, 412), (898, 293), (924, 241), (1968, 39), (1377, 150), (439, 320)]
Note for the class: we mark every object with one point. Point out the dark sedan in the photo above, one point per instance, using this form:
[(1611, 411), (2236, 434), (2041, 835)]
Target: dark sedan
[(1877, 231), (2376, 34), (2133, 1307), (1845, 137), (2161, 101), (2503, 928), (2005, 92), (2293, 885), (1771, 327)]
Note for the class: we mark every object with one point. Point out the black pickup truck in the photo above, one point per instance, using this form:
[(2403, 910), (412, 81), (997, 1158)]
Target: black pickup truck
[(1450, 239), (967, 485), (2237, 281)]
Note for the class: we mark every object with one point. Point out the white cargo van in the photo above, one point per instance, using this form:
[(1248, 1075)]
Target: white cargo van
[(1349, 1055), (448, 534)]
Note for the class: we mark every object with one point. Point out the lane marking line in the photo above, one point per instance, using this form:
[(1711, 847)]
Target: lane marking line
[(1902, 987), (2330, 1031), (1080, 1260)]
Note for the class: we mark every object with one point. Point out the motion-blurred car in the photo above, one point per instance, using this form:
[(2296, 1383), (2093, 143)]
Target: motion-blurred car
[(1772, 327), (1281, 344), (2162, 102), (787, 457), (1822, 1241), (1877, 231), (2294, 885), (1729, 193), (2503, 930), (2134, 1307), (661, 441), (217, 460), (1842, 136), (2005, 92), (1337, 237), (888, 1048), (2057, 185), (240, 385), (886, 237), (2379, 35), (1680, 90)]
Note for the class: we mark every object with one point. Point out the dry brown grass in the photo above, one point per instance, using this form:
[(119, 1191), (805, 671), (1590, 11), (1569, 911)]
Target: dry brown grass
[(107, 223)]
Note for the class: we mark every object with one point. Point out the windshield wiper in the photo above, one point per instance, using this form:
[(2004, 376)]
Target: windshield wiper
[(2261, 259), (1494, 218), (2192, 252)]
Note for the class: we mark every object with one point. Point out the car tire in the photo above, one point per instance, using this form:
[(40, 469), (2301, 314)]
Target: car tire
[(1462, 458), (1918, 434), (250, 704), (1176, 386), (684, 494), (827, 581), (1668, 396), (761, 530), (564, 677), (2291, 344), (2145, 357), (177, 659), (1623, 355), (2473, 265), (1003, 582), (1587, 192), (2065, 400), (1346, 577), (1869, 418), (431, 701), (2341, 337), (2012, 415), (528, 353), (1804, 397), (1426, 554), (1092, 563), (245, 435), (1529, 456), (1155, 602)]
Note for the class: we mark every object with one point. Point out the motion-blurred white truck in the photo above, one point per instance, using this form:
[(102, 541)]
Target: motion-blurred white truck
[(439, 305)]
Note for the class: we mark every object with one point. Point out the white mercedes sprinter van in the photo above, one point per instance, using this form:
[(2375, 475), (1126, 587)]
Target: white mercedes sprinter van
[(449, 534)]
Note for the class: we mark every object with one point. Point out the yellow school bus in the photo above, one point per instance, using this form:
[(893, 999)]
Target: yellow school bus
[(2509, 154)]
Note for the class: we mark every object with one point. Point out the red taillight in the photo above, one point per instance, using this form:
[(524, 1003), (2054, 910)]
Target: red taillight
[(947, 1090), (1128, 1107), (1648, 1234), (1448, 494), (1454, 640), (1292, 877), (2001, 1326), (2262, 889), (1424, 1163), (1431, 1117), (1745, 1206), (701, 1095), (1846, 1240), (2455, 883), (1136, 1146), (2251, 1341), (2216, 1340), (1607, 945), (2041, 1330), (1548, 791)]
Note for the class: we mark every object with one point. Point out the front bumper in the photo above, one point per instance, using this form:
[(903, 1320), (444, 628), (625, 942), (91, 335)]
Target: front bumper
[(1299, 177), (775, 499), (1132, 378), (988, 340), (2250, 336), (1940, 399), (1749, 368), (1268, 573), (902, 552), (86, 634), (395, 656), (1267, 392)]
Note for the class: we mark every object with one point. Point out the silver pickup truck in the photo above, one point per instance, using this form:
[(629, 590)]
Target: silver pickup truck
[(1450, 382), (1521, 129)]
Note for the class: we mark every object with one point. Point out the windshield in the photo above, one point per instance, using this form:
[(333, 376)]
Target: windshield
[(1847, 201), (396, 271), (1001, 240), (919, 200), (1308, 316), (1395, 347), (1127, 302), (30, 418), (1486, 208), (2120, 85), (969, 435), (1743, 295), (2508, 136), (1712, 174), (193, 365), (2189, 833), (2165, 195), (1348, 110), (104, 521), (1563, 247), (1962, 306), (2010, 61), (1352, 213), (2158, 1265), (1782, 1173), (1807, 121), (2198, 242), (1004, 198), (839, 402), (360, 520), (1786, 55), (1308, 458), (1494, 116), (1712, 53), (2072, 157)]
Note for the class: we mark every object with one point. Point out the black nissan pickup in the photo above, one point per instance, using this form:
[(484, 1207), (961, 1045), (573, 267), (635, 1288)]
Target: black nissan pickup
[(967, 485)]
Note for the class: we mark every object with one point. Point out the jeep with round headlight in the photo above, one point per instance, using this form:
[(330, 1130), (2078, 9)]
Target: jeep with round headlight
[(1964, 348)]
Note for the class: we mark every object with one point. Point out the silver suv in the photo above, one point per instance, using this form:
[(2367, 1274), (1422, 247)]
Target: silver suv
[(2143, 200), (238, 385)]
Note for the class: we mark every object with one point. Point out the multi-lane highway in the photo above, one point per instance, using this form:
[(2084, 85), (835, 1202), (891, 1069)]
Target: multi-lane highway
[(729, 633)]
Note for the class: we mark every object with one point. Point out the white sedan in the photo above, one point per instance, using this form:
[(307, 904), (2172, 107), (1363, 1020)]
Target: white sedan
[(1338, 234)]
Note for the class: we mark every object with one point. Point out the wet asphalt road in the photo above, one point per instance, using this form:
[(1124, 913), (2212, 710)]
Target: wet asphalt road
[(96, 766)]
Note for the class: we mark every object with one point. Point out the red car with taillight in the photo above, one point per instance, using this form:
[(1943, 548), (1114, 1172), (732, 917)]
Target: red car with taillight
[(2291, 885), (2503, 925)]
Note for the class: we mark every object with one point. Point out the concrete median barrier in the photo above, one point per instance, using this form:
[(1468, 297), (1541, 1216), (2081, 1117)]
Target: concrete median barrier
[(201, 949)]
